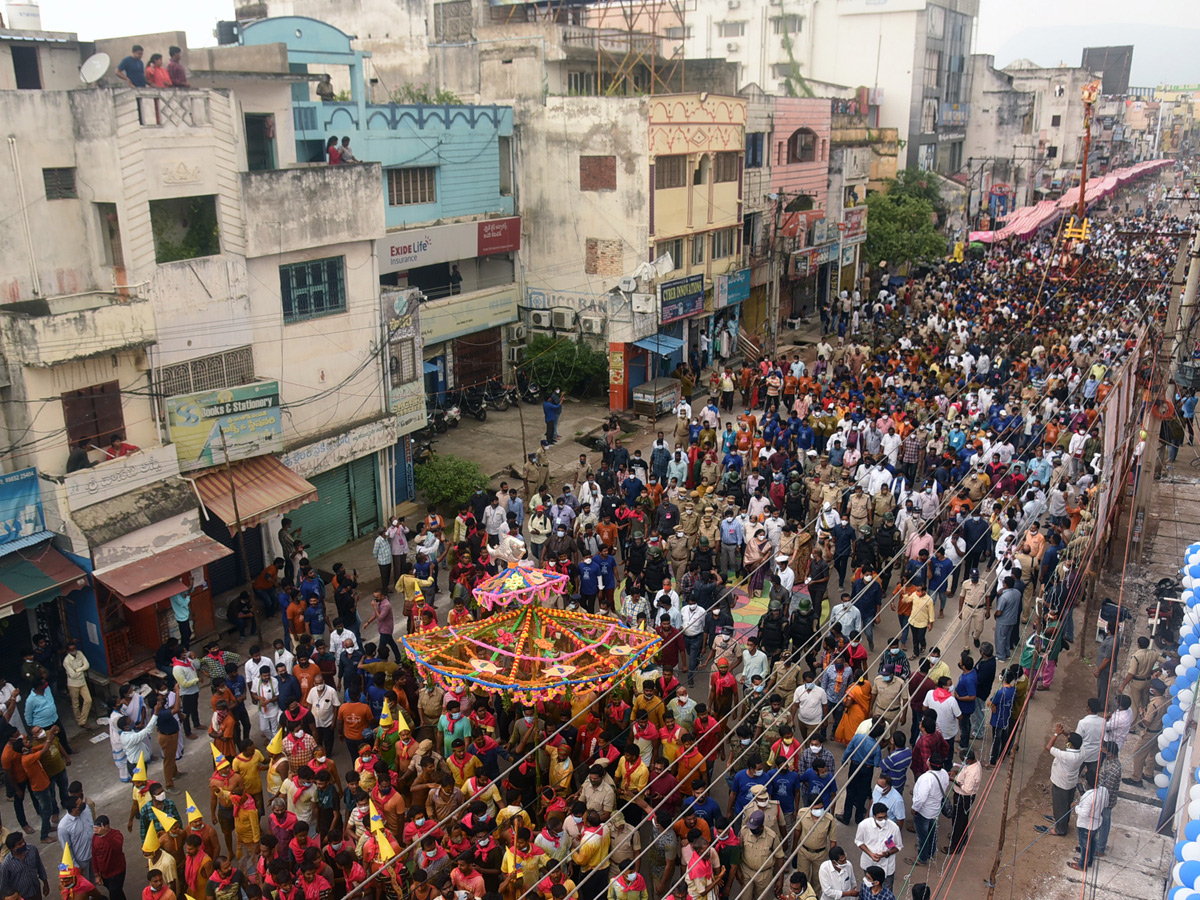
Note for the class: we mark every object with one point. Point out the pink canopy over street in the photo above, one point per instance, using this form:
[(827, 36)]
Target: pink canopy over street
[(1025, 221)]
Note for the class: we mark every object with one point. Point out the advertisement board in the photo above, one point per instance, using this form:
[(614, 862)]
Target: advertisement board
[(119, 476), (248, 416), (405, 250), (681, 298), (404, 371), (20, 505), (731, 288), (856, 225)]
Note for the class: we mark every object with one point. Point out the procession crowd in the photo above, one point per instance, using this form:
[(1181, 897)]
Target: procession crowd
[(941, 462)]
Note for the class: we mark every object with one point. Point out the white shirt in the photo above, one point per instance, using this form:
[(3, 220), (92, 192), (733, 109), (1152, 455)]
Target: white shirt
[(1064, 770), (754, 664), (834, 881), (285, 657), (250, 669), (787, 578), (1091, 729), (692, 616), (947, 712), (929, 792), (323, 701), (810, 705), (1090, 807), (337, 641), (875, 838)]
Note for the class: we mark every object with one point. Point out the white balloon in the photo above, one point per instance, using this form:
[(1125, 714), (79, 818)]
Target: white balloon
[(1186, 696), (1187, 660), (1175, 873), (1192, 850), (1158, 758), (1163, 740), (1188, 581), (1194, 806), (1194, 650), (1179, 670), (1161, 780)]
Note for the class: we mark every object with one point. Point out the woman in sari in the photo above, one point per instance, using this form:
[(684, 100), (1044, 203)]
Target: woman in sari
[(856, 706), (755, 559)]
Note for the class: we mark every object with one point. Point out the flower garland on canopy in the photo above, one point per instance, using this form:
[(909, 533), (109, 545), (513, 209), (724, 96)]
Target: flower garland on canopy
[(531, 650)]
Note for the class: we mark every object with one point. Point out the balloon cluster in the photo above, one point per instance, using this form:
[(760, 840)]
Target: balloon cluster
[(1186, 872)]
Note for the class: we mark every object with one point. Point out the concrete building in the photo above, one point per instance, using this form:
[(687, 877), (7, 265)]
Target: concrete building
[(1003, 160), (447, 188), (182, 289), (1179, 125)]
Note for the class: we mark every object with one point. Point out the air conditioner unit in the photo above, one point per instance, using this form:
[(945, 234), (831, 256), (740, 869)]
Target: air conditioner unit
[(517, 333), (628, 285), (564, 319), (733, 47), (540, 318), (643, 303), (591, 324), (515, 354)]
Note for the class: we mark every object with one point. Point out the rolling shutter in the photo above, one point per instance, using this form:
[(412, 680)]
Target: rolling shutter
[(327, 523), (364, 477)]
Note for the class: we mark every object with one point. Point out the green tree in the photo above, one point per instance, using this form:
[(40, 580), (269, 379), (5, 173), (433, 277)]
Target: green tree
[(561, 363), (900, 229), (919, 185), (449, 480)]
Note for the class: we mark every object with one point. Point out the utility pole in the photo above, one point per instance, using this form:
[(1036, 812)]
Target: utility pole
[(241, 535)]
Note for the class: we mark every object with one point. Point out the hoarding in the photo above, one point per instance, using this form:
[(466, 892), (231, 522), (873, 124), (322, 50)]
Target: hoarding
[(248, 416)]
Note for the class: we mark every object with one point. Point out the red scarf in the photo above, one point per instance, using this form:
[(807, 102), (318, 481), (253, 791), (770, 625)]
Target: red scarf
[(191, 868)]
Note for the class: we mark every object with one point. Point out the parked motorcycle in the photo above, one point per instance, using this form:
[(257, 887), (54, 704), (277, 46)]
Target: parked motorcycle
[(496, 394), (437, 419), (453, 416), (472, 402), (528, 390), (422, 451)]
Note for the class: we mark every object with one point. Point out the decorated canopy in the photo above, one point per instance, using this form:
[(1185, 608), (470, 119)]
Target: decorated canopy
[(520, 583), (529, 650)]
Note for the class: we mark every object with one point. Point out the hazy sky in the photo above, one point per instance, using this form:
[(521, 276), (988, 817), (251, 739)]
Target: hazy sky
[(1046, 31)]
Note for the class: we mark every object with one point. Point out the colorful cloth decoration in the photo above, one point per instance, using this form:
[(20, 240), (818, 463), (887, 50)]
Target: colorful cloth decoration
[(521, 583)]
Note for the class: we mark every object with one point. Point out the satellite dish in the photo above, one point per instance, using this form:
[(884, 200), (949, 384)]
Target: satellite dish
[(94, 68)]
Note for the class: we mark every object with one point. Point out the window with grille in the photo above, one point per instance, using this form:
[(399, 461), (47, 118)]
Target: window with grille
[(731, 29), (60, 184), (786, 24), (802, 146), (679, 32), (94, 414), (674, 248), (403, 364), (312, 289), (581, 84), (408, 187), (208, 373), (723, 243), (670, 172), (726, 168)]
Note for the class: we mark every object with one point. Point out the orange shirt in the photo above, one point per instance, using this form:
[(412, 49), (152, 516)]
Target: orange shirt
[(305, 676), (355, 718)]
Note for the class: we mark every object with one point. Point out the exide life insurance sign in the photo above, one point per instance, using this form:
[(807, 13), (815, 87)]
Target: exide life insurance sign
[(448, 243)]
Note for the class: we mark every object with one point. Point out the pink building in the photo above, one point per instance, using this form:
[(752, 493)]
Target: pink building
[(800, 157)]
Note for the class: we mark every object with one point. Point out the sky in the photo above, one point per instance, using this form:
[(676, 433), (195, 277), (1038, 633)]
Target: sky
[(1046, 31)]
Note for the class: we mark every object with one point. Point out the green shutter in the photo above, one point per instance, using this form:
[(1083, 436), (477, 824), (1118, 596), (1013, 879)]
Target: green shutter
[(364, 477), (327, 522)]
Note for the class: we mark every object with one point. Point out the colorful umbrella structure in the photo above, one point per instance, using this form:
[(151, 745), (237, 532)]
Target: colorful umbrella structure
[(530, 650), (521, 583)]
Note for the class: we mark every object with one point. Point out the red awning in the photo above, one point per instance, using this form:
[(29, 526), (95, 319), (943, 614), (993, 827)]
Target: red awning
[(153, 595), (265, 487), (138, 577), (35, 573)]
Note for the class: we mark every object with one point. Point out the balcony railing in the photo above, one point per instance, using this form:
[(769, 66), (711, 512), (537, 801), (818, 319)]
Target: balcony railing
[(610, 40)]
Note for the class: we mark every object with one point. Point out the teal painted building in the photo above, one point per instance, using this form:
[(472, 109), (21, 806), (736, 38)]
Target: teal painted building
[(439, 162)]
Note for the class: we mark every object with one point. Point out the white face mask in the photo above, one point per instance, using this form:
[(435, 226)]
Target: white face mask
[(817, 813)]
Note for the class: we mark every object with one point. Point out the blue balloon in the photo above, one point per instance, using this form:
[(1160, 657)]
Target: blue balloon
[(1179, 845), (1189, 872), (1191, 830), (1162, 793), (1171, 751), (1194, 571), (1177, 893), (1190, 673)]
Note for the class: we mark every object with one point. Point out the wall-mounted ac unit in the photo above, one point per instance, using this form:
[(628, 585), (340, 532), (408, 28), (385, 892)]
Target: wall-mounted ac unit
[(564, 319), (591, 324), (515, 354), (517, 333), (643, 303), (628, 285), (540, 318), (733, 47)]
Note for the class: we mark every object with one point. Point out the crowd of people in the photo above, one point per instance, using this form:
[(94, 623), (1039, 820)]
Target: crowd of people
[(941, 463)]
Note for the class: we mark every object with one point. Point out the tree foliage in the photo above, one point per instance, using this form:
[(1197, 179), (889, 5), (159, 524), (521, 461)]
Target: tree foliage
[(448, 480), (919, 185), (901, 229), (562, 363)]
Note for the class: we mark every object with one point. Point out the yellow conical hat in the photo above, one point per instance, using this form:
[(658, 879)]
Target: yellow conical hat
[(219, 759), (276, 745), (405, 725), (150, 844), (386, 851), (385, 719), (139, 771), (191, 810), (67, 864), (167, 822), (376, 819)]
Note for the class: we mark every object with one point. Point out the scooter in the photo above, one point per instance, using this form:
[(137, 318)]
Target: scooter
[(437, 419), (422, 451), (527, 390), (472, 402), (453, 416)]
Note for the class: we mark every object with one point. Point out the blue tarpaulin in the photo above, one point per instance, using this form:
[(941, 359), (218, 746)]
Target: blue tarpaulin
[(661, 343)]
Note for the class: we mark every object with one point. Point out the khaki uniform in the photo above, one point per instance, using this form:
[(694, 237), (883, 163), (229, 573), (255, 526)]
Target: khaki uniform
[(690, 520), (761, 855), (785, 678), (858, 509), (976, 487), (1027, 575), (974, 605), (804, 544), (813, 838), (677, 554), (884, 504), (831, 494), (889, 699), (1141, 664), (769, 721), (710, 528)]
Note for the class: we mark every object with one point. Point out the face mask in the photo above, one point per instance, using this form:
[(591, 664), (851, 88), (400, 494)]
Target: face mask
[(867, 883), (934, 660), (456, 715), (759, 688), (160, 797), (528, 720), (817, 813), (483, 842), (809, 686), (887, 678), (419, 821), (577, 819), (321, 758), (745, 742), (879, 823), (815, 748)]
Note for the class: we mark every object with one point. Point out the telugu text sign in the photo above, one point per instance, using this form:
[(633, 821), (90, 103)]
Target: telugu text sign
[(248, 416), (120, 476)]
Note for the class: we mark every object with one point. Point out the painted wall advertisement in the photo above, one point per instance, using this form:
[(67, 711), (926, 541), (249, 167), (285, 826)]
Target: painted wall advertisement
[(248, 416), (404, 366), (731, 288), (121, 475), (616, 367), (20, 505), (681, 298)]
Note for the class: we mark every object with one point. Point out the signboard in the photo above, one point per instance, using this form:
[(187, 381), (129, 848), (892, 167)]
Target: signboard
[(452, 317), (681, 298), (321, 456), (954, 114), (856, 165), (855, 219), (822, 255), (820, 231), (616, 367), (408, 403), (847, 256), (248, 415), (20, 505), (120, 476), (801, 262), (403, 366), (447, 243), (731, 288)]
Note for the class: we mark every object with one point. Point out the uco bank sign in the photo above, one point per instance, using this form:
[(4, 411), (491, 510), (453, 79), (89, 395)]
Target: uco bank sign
[(448, 243)]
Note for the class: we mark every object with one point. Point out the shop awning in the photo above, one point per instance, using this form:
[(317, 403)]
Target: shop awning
[(149, 597), (265, 487), (139, 577), (37, 575), (662, 344), (430, 368)]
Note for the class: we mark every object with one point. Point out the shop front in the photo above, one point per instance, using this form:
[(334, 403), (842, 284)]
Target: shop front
[(730, 294), (39, 586), (647, 366)]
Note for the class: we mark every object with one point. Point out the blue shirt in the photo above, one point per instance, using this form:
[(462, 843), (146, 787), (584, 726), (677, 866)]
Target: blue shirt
[(589, 577), (40, 709), (181, 604), (941, 570), (893, 800), (815, 786), (783, 790), (1003, 700), (315, 617), (608, 571), (968, 686), (895, 766), (742, 782), (862, 749), (708, 810), (551, 410), (731, 531), (134, 69)]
